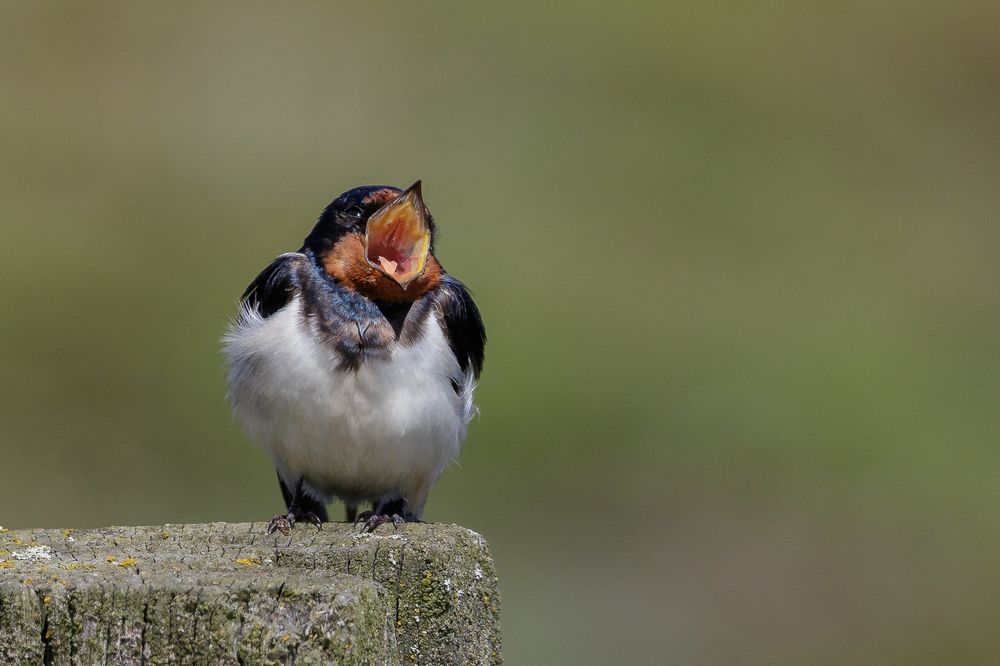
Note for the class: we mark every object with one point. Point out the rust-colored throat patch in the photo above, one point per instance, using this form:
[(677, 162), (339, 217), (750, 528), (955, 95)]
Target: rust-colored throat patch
[(398, 237)]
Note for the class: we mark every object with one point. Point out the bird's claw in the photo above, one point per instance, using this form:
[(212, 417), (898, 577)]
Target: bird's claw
[(314, 519), (281, 524), (284, 523), (372, 520)]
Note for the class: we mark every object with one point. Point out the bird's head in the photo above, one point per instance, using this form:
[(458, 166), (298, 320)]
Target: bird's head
[(379, 241)]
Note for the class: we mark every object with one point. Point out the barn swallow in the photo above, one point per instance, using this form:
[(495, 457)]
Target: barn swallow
[(353, 361)]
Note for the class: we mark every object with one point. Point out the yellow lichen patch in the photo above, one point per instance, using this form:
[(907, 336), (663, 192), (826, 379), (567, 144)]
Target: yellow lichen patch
[(46, 600), (127, 562), (17, 541), (164, 535), (80, 566), (249, 561), (109, 558), (286, 637), (6, 564), (68, 531)]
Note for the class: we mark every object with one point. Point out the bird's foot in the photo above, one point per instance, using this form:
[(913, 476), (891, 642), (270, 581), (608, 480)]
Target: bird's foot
[(372, 520), (281, 524), (284, 523)]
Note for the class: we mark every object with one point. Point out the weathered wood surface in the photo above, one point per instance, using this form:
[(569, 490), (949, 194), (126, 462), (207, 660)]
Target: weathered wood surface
[(224, 593)]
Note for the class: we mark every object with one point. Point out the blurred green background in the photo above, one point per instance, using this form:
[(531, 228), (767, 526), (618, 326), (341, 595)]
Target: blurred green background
[(738, 265)]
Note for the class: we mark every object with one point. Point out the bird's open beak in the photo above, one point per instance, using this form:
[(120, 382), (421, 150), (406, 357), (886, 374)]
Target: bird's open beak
[(398, 237)]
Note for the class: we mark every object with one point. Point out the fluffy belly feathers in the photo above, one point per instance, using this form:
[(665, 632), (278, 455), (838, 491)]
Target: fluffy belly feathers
[(386, 429)]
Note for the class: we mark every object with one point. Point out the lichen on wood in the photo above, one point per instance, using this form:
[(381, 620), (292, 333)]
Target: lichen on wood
[(226, 593)]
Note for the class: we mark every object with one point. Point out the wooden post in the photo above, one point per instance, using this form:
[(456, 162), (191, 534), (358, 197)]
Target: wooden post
[(224, 593)]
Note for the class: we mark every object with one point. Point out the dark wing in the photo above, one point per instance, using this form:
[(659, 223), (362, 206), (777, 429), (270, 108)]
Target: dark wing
[(276, 285), (463, 324)]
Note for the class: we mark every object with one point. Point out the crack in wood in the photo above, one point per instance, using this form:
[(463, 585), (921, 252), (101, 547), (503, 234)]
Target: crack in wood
[(48, 655)]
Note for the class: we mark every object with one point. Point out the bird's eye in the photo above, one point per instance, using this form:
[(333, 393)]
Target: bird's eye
[(350, 216)]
